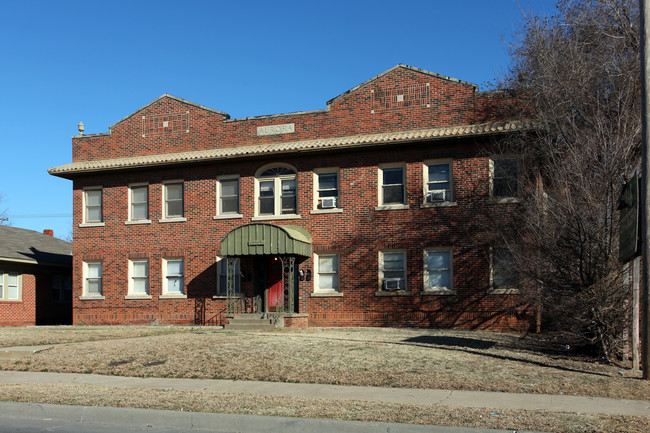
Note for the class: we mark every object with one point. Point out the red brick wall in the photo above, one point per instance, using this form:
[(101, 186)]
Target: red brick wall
[(357, 234)]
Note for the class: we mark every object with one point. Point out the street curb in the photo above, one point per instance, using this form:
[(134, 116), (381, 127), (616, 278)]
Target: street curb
[(211, 422)]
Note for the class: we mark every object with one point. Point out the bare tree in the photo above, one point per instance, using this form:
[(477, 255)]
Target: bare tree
[(577, 74), (3, 213)]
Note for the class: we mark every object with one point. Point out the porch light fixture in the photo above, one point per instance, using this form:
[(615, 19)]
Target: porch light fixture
[(301, 273), (308, 274)]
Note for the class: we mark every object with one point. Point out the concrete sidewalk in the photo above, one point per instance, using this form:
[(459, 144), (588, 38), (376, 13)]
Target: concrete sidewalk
[(434, 397)]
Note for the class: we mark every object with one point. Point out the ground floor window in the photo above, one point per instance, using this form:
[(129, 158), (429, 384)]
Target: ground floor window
[(222, 269), (61, 288), (10, 286), (438, 270), (505, 276), (92, 279), (327, 272), (392, 270), (139, 278), (174, 282)]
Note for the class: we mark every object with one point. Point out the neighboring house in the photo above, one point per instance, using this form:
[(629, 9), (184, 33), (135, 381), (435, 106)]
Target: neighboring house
[(35, 278), (366, 213)]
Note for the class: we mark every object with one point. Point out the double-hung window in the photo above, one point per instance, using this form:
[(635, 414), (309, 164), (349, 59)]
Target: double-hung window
[(228, 197), (92, 205), (139, 203), (505, 275), (276, 193), (222, 275), (139, 278), (326, 190), (327, 273), (438, 270), (61, 288), (173, 200), (10, 286), (438, 182), (174, 282), (92, 280), (504, 179), (392, 186), (392, 270)]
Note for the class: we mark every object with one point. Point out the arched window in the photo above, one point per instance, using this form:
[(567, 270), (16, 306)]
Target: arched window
[(275, 190)]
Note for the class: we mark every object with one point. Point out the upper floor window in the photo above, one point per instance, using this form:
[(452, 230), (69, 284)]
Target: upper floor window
[(10, 286), (504, 178), (326, 189), (173, 200), (228, 196), (438, 270), (275, 191), (392, 186), (437, 182), (92, 205), (139, 202)]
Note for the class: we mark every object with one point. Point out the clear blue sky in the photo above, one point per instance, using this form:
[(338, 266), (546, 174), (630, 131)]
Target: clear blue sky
[(62, 62)]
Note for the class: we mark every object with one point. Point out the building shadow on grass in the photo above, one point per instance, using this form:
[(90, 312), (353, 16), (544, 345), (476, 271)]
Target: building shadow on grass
[(469, 343)]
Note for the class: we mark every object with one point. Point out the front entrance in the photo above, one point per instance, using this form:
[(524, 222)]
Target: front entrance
[(274, 285)]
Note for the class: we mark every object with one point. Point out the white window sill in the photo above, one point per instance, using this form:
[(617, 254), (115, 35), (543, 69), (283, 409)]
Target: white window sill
[(391, 294), (439, 204), (91, 298), (438, 292), (11, 300), (502, 200), (224, 296), (228, 216), (99, 224), (173, 296), (137, 297), (393, 207), (173, 220), (327, 294), (320, 211), (135, 222), (276, 217), (504, 291)]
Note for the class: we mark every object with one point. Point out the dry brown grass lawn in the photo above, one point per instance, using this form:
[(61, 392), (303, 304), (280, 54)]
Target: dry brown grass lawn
[(202, 401), (468, 360)]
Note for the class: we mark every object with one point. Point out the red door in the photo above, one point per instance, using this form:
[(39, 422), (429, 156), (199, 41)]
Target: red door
[(276, 298)]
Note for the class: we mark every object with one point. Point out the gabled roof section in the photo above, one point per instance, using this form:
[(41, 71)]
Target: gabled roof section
[(154, 102), (402, 66), (28, 246)]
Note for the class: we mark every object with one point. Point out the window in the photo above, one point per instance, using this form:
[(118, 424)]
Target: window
[(139, 278), (392, 191), (61, 288), (392, 270), (327, 272), (504, 178), (174, 284), (326, 189), (437, 182), (505, 276), (10, 286), (438, 270), (139, 203), (173, 200), (276, 192), (92, 280), (93, 205), (222, 268), (228, 197)]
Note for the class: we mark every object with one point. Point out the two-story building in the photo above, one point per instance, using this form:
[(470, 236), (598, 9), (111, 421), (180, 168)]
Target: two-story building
[(370, 212)]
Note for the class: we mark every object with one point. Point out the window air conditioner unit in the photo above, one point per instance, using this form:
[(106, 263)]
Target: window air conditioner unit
[(393, 284), (328, 202), (436, 196)]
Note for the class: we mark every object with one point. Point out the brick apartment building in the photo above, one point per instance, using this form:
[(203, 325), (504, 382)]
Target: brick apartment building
[(35, 278), (367, 213)]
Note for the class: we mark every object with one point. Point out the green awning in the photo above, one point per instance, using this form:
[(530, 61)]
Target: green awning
[(266, 239)]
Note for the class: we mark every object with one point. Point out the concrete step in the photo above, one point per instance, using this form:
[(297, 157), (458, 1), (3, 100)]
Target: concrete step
[(250, 322)]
